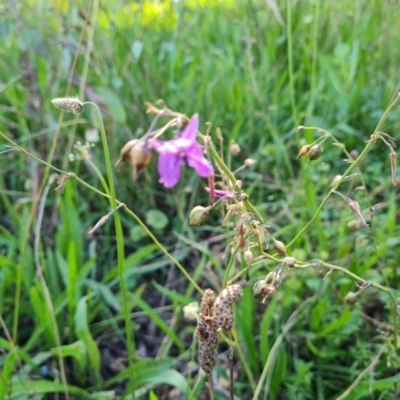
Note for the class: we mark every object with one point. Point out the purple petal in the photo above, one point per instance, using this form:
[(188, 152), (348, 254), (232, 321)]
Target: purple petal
[(196, 160), (191, 129), (169, 168), (222, 193)]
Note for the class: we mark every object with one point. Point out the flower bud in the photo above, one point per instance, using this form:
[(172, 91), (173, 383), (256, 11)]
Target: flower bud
[(315, 152), (249, 162), (351, 298), (280, 247), (304, 151), (354, 225), (234, 149), (198, 215), (336, 180), (248, 256), (137, 154)]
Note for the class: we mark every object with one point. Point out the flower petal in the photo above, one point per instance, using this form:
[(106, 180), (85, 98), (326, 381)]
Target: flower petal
[(169, 168), (191, 129), (196, 160)]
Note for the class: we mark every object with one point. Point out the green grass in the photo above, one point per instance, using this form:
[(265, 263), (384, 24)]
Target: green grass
[(257, 71)]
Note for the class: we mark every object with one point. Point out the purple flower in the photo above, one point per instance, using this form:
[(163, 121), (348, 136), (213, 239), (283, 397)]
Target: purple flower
[(223, 194), (176, 152)]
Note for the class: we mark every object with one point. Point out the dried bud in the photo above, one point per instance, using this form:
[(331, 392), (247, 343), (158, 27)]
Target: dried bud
[(223, 306), (263, 290), (354, 225), (304, 151), (242, 239), (198, 215), (249, 162), (280, 247), (234, 149), (315, 152), (68, 104), (207, 332), (355, 207), (137, 153)]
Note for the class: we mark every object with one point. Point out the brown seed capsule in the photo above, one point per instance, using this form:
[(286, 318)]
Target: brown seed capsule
[(315, 152), (137, 153), (280, 247), (304, 151), (198, 215), (263, 290)]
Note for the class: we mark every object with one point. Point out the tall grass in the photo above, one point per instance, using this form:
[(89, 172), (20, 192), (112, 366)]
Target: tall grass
[(258, 70)]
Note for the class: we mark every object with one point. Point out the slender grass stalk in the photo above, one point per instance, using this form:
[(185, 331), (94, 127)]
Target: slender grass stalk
[(347, 172), (290, 58), (120, 247)]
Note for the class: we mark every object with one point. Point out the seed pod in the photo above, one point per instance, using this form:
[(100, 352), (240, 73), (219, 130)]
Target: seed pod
[(289, 262), (248, 256), (234, 149), (336, 180), (304, 151), (315, 152), (137, 153), (280, 247), (249, 162), (198, 215), (351, 298), (263, 290), (354, 225)]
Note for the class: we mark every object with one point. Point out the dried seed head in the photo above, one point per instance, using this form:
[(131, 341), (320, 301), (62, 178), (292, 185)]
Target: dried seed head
[(223, 306), (207, 332), (304, 151), (68, 104), (315, 152), (137, 153), (198, 215), (234, 149)]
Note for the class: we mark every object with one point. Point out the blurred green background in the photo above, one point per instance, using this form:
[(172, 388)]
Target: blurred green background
[(257, 69)]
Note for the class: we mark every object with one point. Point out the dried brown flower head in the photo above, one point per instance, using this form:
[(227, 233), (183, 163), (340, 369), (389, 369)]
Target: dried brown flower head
[(223, 306), (207, 332)]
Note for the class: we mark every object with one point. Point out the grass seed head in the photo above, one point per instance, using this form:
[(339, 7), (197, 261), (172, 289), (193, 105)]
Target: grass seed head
[(68, 104)]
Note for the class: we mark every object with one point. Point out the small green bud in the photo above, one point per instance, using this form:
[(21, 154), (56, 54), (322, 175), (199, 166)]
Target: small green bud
[(198, 215), (336, 180), (315, 152), (354, 225), (351, 298)]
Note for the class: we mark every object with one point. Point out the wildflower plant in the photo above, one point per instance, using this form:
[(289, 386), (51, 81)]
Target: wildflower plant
[(256, 258)]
